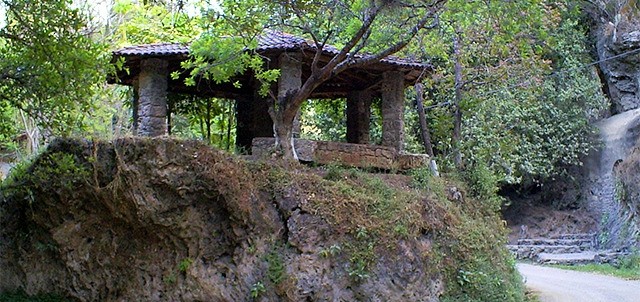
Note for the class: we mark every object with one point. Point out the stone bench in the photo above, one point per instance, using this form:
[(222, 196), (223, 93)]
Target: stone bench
[(355, 155)]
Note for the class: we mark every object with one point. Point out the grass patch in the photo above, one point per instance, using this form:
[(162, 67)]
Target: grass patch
[(605, 269), (627, 268)]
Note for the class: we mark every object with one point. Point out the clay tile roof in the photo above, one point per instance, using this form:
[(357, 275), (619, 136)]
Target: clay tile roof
[(153, 50), (274, 40), (270, 40)]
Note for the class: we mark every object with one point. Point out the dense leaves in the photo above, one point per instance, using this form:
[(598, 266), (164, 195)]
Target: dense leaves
[(526, 98), (375, 28), (528, 94), (49, 66)]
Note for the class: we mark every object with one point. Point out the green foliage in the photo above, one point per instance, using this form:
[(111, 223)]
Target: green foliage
[(473, 240), (620, 193), (380, 202), (335, 172), (275, 267), (324, 120), (185, 264), (484, 186), (421, 177), (531, 114), (332, 251), (52, 172), (224, 48), (484, 270), (631, 262), (170, 279), (49, 66), (8, 128), (210, 119), (142, 23), (257, 289), (362, 254)]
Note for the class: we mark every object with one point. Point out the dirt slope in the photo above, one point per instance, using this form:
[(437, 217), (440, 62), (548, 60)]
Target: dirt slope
[(165, 220)]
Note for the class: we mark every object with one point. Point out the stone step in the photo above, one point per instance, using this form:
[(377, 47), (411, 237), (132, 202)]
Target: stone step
[(552, 249), (585, 236), (610, 257), (561, 242), (531, 251), (567, 259)]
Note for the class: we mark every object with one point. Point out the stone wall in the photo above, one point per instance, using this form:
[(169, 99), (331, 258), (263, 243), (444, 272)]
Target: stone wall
[(356, 155)]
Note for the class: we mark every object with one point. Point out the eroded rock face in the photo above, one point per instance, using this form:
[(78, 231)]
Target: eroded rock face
[(164, 220), (627, 175), (622, 74)]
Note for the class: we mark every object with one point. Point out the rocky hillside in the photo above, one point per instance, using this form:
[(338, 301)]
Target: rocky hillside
[(161, 219), (618, 48), (628, 195)]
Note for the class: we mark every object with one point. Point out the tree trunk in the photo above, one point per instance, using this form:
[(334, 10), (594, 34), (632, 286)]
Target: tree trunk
[(283, 130), (283, 116), (424, 127), (457, 113)]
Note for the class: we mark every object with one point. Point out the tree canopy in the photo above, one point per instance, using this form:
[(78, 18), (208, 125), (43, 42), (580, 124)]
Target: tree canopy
[(510, 90), (50, 67), (364, 32)]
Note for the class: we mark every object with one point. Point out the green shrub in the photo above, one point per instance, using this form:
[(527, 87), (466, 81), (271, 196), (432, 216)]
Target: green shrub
[(275, 266), (484, 186), (185, 264)]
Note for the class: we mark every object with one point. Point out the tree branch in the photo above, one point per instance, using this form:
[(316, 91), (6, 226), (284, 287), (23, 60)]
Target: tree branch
[(365, 60)]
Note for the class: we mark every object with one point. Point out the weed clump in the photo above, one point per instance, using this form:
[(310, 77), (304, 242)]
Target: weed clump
[(471, 247)]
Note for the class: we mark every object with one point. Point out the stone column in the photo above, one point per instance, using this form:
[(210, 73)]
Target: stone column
[(290, 79), (134, 105), (393, 109), (152, 103), (358, 116)]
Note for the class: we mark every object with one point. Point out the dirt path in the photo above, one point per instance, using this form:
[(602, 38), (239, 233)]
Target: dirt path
[(552, 284)]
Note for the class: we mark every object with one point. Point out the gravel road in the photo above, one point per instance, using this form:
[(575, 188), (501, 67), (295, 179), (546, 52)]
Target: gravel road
[(552, 284)]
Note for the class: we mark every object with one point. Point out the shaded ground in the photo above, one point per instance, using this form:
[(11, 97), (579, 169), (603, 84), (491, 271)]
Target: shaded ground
[(543, 221), (552, 284)]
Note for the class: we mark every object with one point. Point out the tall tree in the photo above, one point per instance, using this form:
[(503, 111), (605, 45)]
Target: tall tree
[(364, 31), (49, 66), (524, 97)]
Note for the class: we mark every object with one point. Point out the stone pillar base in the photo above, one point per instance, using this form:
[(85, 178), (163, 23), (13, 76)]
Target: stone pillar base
[(393, 110), (152, 101)]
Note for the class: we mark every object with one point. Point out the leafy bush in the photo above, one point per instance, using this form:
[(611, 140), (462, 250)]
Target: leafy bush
[(484, 185), (477, 266)]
